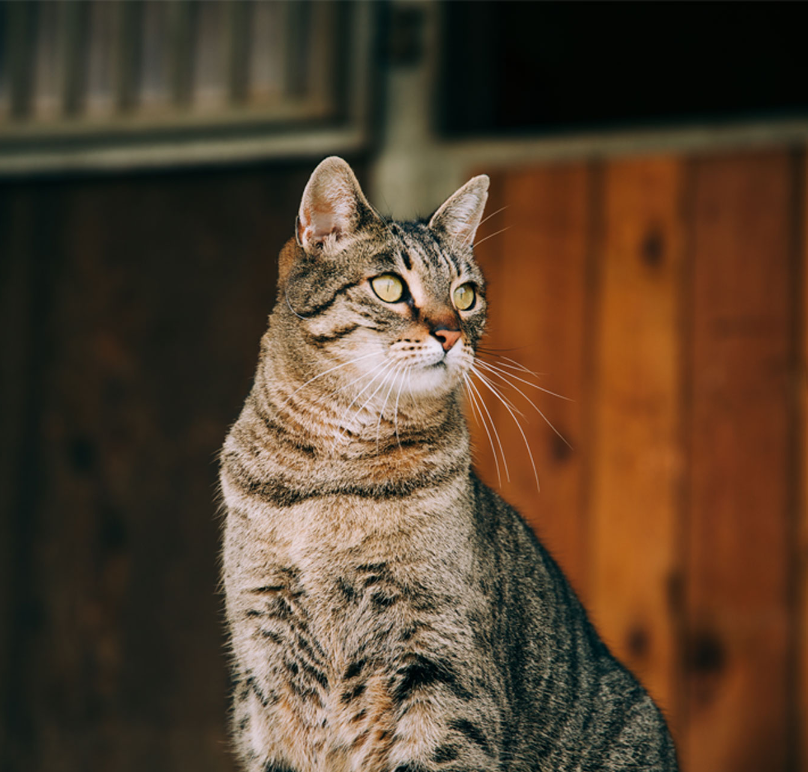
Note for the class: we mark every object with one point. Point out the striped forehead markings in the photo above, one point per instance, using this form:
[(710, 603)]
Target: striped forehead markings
[(454, 266), (421, 250), (427, 250)]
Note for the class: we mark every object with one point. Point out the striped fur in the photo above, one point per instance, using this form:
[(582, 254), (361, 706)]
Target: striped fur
[(387, 611)]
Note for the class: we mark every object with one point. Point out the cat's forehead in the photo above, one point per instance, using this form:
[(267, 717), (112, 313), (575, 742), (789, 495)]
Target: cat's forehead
[(421, 251)]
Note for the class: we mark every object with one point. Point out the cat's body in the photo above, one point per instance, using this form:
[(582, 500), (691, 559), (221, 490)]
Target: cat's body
[(388, 611)]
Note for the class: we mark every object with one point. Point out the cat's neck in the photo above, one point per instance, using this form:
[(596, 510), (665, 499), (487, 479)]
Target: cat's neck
[(287, 446), (302, 411)]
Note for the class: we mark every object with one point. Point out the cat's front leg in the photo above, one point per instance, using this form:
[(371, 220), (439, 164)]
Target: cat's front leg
[(421, 712), (446, 742)]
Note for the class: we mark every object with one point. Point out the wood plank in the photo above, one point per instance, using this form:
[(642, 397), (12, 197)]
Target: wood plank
[(21, 309), (108, 604), (638, 454), (738, 567), (801, 595), (536, 270)]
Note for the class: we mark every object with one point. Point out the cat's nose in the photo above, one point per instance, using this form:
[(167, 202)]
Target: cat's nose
[(446, 336)]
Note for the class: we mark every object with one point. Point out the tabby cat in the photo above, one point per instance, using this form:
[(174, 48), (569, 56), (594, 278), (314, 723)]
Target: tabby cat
[(387, 611)]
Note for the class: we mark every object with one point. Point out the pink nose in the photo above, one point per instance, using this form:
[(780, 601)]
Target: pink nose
[(446, 337)]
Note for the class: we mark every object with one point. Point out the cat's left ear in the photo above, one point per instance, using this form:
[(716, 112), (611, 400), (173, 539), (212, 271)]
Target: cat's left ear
[(460, 215), (333, 208)]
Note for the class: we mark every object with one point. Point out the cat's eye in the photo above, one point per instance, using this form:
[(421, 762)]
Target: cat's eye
[(389, 287), (464, 297)]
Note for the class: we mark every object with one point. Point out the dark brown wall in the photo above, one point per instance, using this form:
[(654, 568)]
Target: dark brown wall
[(131, 314)]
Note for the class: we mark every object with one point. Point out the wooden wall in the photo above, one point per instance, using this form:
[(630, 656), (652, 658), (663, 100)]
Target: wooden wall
[(131, 314), (665, 296)]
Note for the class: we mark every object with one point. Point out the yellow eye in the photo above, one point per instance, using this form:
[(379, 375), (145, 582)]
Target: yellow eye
[(389, 287), (464, 297)]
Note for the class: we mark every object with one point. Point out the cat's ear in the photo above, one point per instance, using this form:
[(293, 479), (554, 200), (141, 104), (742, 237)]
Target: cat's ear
[(460, 215), (333, 208)]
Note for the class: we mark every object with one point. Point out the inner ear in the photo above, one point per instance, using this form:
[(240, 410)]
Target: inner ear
[(460, 215), (333, 208)]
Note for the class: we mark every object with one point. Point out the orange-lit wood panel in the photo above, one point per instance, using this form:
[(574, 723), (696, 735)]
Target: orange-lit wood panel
[(738, 572), (638, 458), (534, 252), (666, 296)]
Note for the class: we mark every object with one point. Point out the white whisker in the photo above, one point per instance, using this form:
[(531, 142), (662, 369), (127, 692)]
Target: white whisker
[(396, 372), (505, 375), (346, 386), (517, 365), (481, 421), (488, 217), (490, 236), (521, 431), (535, 407), (341, 428), (496, 434), (326, 372), (405, 372), (485, 220), (489, 382)]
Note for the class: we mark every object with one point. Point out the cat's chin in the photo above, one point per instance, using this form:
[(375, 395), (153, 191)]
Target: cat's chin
[(434, 381)]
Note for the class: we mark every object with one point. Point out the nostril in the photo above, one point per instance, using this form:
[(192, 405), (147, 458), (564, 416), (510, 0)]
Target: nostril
[(447, 337)]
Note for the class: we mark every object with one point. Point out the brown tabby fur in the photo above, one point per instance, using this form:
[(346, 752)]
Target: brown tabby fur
[(387, 611)]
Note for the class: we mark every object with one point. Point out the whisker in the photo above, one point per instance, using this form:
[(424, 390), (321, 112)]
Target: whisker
[(471, 235), (326, 372), (506, 375), (485, 378), (474, 412), (496, 351), (391, 366), (396, 371), (491, 236), (496, 433), (488, 217), (536, 408), (508, 362), (519, 365), (341, 429), (521, 431), (347, 386), (480, 418), (405, 372)]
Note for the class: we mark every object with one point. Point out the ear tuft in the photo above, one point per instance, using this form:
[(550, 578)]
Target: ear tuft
[(460, 215), (333, 207)]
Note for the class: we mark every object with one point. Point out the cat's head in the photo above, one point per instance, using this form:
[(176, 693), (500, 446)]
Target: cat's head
[(391, 307)]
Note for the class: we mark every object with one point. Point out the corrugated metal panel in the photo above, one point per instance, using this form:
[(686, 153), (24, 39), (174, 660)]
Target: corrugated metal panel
[(92, 75)]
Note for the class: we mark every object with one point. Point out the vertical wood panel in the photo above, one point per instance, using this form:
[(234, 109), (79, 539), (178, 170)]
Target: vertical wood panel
[(638, 456), (802, 547), (736, 687), (145, 300), (536, 270)]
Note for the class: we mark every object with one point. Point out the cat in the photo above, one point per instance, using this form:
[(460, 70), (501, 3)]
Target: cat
[(387, 611)]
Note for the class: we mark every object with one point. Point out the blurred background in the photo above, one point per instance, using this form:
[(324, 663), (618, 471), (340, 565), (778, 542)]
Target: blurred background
[(646, 254)]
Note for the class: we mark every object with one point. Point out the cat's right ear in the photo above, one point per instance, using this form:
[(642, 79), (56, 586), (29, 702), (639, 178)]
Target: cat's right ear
[(460, 215), (333, 208)]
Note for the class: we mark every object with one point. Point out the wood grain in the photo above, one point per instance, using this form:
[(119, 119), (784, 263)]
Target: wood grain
[(638, 460), (737, 578), (146, 299), (536, 272), (800, 723)]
